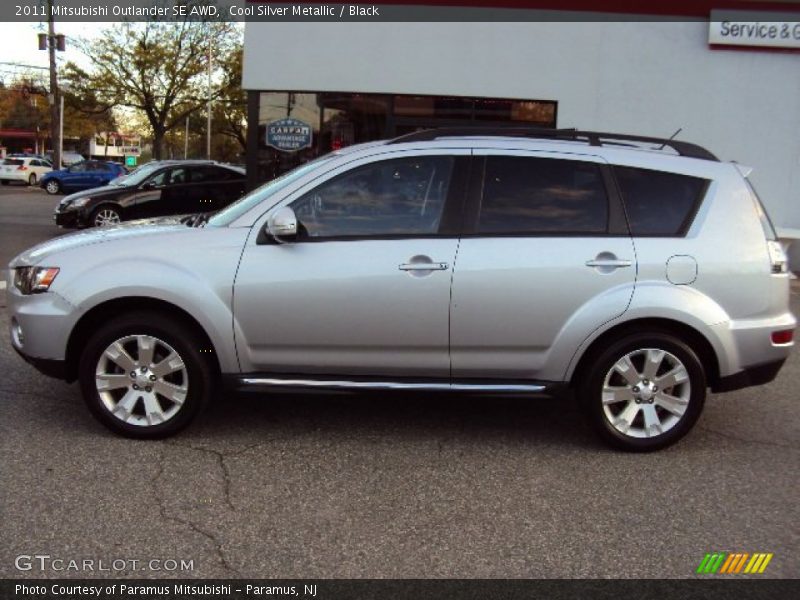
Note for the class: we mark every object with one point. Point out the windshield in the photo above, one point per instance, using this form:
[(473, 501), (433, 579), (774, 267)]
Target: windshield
[(137, 176), (245, 203)]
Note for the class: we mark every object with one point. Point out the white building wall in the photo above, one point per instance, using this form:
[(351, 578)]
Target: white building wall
[(647, 78)]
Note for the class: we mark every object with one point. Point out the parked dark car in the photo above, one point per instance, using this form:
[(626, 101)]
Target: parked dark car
[(82, 176), (157, 189)]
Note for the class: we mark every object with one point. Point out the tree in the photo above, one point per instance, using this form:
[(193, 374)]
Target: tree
[(159, 68), (230, 113)]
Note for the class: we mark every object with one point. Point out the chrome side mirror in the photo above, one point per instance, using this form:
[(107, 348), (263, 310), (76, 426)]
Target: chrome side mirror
[(282, 225)]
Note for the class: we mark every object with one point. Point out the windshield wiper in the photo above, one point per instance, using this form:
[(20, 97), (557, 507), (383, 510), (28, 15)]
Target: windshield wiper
[(196, 220)]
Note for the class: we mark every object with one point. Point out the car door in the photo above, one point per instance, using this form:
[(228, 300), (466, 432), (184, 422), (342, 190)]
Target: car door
[(205, 188), (147, 199), (545, 259), (76, 176), (101, 173), (365, 288)]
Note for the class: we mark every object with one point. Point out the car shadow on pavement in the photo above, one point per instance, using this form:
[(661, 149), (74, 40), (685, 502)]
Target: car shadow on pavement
[(402, 416)]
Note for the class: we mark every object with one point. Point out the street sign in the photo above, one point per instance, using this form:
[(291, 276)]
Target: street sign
[(130, 161)]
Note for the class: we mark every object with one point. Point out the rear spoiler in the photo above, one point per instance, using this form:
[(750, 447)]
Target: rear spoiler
[(744, 170)]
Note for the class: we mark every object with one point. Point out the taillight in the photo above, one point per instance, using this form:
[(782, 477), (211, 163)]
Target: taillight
[(777, 256), (22, 168), (784, 336)]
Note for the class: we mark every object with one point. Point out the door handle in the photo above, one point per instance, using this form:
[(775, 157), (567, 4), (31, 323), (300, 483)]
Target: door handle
[(424, 266), (613, 263)]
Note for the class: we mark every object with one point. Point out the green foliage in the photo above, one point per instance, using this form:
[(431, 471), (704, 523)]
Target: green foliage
[(158, 68)]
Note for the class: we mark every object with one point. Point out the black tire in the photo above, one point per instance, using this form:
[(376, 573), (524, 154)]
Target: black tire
[(4, 181), (104, 208), (53, 187), (32, 180), (592, 381), (198, 376)]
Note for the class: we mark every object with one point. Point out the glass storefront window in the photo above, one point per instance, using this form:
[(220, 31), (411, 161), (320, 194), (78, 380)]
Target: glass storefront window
[(312, 124)]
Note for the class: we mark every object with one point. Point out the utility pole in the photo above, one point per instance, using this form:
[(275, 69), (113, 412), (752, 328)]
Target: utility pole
[(52, 43), (208, 125)]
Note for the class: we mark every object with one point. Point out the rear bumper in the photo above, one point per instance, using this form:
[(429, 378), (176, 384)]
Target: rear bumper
[(758, 375)]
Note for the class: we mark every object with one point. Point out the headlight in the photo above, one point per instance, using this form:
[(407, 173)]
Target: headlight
[(80, 201), (34, 280)]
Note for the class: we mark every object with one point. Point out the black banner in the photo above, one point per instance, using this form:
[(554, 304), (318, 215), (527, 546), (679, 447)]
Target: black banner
[(402, 589)]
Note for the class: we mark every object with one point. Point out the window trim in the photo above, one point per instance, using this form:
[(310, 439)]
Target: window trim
[(616, 222), (452, 211), (688, 220)]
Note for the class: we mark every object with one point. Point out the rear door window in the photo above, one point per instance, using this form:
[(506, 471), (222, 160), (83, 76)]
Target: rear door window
[(659, 203), (542, 196)]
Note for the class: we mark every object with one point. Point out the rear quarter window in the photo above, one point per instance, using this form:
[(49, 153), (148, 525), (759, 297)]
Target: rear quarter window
[(658, 203)]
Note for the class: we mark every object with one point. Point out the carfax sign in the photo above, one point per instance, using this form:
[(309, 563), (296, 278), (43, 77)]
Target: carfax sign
[(289, 134)]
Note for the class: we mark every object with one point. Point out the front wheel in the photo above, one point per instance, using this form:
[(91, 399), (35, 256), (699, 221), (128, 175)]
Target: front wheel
[(644, 392), (105, 215), (52, 187), (142, 375)]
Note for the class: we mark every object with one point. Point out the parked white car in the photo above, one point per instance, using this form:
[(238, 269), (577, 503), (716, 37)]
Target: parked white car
[(26, 169)]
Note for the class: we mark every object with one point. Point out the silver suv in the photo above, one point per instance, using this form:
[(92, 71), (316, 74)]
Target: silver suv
[(637, 272)]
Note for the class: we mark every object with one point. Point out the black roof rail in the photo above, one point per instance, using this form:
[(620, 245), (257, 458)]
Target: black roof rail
[(593, 138)]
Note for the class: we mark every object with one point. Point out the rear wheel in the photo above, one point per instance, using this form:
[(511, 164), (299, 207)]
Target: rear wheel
[(644, 392), (4, 181), (105, 215), (143, 376), (53, 186), (32, 179)]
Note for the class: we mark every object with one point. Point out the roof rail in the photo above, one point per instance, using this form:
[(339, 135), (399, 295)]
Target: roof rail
[(593, 138)]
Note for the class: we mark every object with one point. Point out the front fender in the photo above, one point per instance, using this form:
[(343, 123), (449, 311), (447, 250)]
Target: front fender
[(205, 293)]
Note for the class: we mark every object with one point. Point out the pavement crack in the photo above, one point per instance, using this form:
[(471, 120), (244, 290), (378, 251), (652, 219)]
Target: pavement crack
[(223, 466), (748, 440), (165, 515)]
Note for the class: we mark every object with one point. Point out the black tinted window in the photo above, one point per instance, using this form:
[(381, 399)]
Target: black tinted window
[(393, 197), (658, 203), (542, 195)]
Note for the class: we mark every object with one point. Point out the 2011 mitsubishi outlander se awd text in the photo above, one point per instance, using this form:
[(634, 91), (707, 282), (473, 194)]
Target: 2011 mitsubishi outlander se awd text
[(639, 272)]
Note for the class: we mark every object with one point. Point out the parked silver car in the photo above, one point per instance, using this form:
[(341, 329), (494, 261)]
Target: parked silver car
[(522, 262)]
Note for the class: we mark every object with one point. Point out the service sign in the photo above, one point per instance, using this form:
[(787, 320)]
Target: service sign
[(289, 134), (738, 28)]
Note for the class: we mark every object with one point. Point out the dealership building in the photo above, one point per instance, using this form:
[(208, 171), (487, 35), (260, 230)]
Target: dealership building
[(729, 81)]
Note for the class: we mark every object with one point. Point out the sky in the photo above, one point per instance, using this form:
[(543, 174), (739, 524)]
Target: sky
[(20, 45)]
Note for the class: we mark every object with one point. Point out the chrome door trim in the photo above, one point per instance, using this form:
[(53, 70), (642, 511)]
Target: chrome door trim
[(426, 266), (392, 385)]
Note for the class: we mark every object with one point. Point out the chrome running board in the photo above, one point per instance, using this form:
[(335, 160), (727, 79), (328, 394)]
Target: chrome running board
[(390, 385)]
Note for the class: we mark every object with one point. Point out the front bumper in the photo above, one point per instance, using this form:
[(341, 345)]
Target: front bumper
[(39, 328), (70, 218), (47, 366)]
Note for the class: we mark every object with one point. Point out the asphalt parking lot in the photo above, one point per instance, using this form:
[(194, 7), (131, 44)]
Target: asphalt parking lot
[(385, 485)]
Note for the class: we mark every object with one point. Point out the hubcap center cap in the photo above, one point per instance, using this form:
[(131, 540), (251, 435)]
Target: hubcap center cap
[(142, 378), (647, 391)]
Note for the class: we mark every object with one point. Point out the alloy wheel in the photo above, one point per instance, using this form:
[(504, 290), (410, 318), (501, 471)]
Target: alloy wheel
[(106, 216), (141, 380), (646, 393)]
